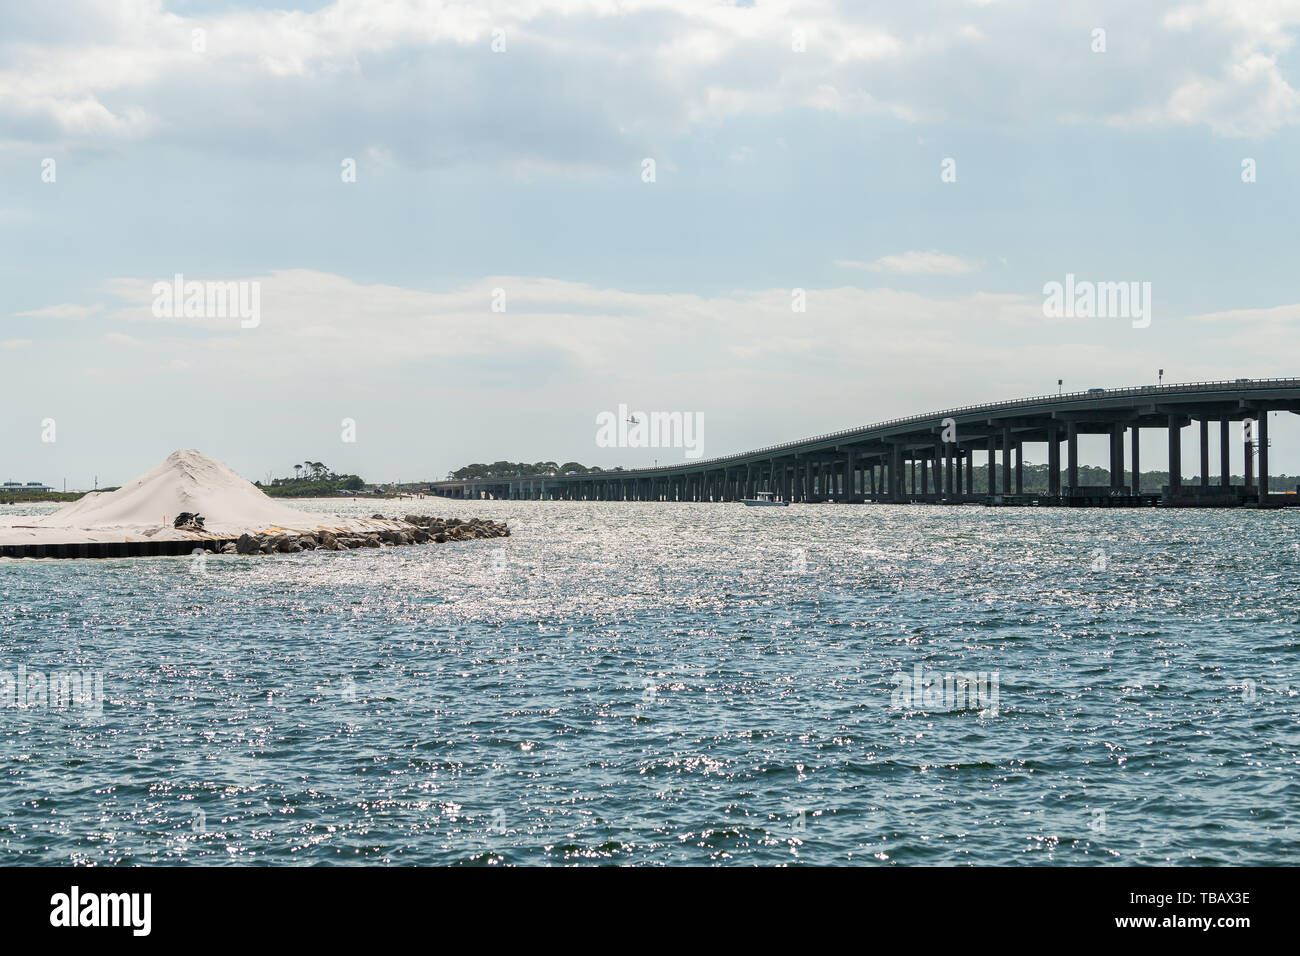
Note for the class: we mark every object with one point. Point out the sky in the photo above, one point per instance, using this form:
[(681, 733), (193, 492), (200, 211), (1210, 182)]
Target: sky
[(502, 268)]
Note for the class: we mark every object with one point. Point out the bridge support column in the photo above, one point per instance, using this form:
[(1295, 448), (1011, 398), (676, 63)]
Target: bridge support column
[(1117, 455), (1175, 451), (1225, 454), (1020, 468), (1205, 453), (1053, 459), (1072, 455), (993, 465), (1135, 444), (896, 473), (1262, 430), (1006, 461)]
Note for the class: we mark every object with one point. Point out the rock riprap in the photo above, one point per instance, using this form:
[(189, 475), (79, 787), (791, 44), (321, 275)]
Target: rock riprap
[(413, 529)]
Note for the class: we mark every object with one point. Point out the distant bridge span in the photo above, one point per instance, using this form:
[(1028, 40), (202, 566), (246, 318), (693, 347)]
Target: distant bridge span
[(908, 459)]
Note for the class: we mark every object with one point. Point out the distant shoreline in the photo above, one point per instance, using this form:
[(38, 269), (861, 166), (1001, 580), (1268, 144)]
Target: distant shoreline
[(57, 497), (63, 497)]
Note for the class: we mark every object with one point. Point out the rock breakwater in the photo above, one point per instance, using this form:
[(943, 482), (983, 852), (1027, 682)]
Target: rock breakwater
[(413, 529)]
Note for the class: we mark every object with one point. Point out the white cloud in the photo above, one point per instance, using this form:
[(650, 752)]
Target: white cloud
[(118, 338), (325, 324), (534, 376), (614, 79), (930, 263), (66, 310), (9, 344), (1275, 315)]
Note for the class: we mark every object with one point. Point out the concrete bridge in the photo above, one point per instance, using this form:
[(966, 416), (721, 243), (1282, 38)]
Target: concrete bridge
[(932, 457)]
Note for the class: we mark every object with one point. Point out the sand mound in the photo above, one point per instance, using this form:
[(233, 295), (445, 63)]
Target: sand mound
[(186, 481)]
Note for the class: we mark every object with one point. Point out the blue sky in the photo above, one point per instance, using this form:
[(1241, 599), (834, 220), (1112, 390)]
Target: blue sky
[(521, 170)]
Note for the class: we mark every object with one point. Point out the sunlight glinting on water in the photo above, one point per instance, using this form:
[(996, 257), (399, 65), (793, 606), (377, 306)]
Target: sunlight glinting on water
[(672, 683)]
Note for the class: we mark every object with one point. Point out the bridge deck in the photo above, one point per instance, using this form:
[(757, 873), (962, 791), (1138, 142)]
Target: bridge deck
[(931, 456)]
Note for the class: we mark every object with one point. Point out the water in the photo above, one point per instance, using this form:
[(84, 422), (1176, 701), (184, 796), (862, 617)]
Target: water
[(650, 683)]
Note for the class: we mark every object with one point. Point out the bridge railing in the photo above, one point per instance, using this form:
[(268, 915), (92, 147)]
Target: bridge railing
[(767, 450)]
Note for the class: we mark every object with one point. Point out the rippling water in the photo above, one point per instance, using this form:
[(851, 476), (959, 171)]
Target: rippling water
[(652, 683)]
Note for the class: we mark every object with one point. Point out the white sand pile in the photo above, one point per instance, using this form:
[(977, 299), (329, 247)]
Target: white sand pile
[(146, 508)]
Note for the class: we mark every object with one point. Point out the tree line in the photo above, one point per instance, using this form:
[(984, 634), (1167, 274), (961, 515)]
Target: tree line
[(311, 479), (522, 469)]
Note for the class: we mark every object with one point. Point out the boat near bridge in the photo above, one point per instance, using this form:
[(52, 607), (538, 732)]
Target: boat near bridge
[(764, 499)]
